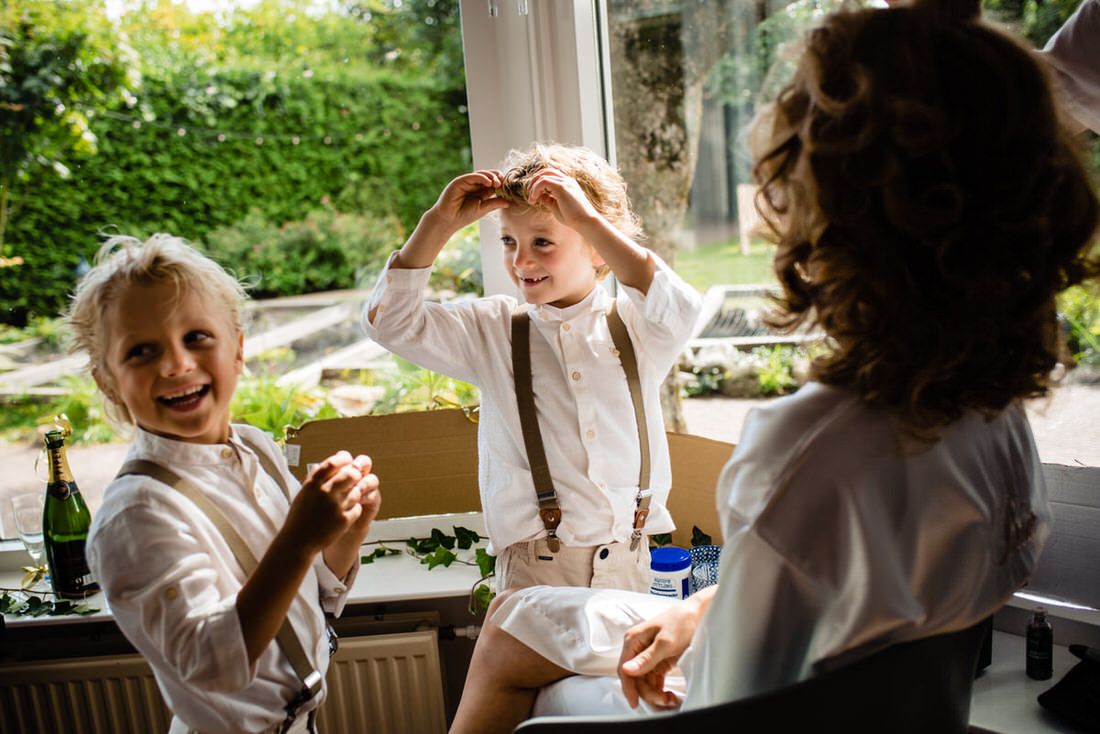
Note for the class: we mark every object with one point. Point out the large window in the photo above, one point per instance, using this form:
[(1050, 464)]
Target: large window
[(665, 88)]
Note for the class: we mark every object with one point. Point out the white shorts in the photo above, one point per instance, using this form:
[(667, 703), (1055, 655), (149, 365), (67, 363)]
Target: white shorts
[(581, 630)]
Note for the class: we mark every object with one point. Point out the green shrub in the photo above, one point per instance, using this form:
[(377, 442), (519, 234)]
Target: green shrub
[(325, 251), (1079, 307), (373, 142)]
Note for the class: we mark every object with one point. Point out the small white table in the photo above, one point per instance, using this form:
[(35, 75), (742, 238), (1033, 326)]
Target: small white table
[(1004, 699)]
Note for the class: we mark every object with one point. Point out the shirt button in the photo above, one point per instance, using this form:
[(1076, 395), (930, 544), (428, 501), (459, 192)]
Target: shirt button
[(171, 593), (590, 434), (614, 352), (576, 377), (227, 452), (604, 553), (565, 327)]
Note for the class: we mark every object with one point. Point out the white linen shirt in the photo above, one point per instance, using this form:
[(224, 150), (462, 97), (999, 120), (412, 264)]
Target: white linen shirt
[(171, 581), (581, 396), (836, 546), (1074, 52)]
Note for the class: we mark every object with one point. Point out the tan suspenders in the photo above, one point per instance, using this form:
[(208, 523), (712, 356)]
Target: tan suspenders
[(286, 637), (547, 497)]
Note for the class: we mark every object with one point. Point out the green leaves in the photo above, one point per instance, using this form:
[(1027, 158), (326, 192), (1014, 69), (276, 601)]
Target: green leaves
[(480, 598), (698, 537), (485, 563), (379, 552), (660, 539), (440, 557), (26, 604), (438, 549)]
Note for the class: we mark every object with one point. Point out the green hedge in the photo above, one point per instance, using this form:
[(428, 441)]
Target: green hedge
[(375, 144)]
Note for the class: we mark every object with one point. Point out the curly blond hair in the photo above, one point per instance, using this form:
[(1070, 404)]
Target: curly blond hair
[(123, 261), (927, 206), (601, 183)]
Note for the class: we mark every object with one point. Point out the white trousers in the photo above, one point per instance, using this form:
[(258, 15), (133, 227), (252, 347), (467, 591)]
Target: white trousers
[(581, 630)]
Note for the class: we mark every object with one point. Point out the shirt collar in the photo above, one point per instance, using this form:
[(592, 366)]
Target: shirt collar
[(597, 301), (173, 451)]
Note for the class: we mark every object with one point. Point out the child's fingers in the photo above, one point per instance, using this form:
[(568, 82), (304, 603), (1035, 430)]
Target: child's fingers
[(364, 463), (323, 470)]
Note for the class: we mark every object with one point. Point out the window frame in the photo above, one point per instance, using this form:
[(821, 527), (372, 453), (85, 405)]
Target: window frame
[(545, 75)]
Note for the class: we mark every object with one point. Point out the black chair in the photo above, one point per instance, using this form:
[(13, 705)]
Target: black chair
[(919, 687)]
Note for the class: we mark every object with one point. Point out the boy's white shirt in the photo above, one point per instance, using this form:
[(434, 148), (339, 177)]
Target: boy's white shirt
[(581, 396), (172, 582)]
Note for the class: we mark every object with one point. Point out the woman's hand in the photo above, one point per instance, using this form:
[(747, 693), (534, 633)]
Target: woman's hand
[(652, 648)]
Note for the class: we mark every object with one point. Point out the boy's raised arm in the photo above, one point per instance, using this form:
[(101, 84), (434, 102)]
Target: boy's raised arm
[(327, 506)]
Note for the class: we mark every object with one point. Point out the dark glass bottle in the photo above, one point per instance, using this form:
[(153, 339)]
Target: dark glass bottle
[(65, 523), (1040, 645)]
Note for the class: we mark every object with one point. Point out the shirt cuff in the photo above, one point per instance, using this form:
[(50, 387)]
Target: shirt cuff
[(332, 590), (654, 305)]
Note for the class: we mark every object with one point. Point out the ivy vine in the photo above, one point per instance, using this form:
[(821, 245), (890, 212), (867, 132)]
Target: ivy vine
[(438, 549)]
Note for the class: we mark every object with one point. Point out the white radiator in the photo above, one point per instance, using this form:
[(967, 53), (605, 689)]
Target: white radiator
[(81, 696), (377, 684)]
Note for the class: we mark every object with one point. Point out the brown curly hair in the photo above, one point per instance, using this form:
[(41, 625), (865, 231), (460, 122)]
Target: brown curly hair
[(927, 206), (599, 180)]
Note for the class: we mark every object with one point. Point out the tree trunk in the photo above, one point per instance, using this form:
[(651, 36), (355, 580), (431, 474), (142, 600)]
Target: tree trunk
[(661, 56)]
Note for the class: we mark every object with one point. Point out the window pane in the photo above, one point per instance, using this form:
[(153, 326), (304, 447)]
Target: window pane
[(686, 79), (297, 141)]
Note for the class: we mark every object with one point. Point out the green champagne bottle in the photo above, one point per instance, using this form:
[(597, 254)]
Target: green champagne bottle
[(65, 523)]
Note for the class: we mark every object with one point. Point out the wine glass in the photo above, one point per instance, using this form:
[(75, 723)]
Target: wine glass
[(27, 509)]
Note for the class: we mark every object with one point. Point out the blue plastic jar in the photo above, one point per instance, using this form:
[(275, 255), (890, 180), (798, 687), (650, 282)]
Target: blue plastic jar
[(671, 572)]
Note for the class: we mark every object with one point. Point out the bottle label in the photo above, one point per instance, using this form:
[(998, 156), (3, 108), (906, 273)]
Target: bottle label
[(675, 586), (69, 572), (59, 490)]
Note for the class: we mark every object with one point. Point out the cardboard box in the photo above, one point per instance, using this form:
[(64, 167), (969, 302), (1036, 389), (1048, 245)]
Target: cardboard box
[(427, 463)]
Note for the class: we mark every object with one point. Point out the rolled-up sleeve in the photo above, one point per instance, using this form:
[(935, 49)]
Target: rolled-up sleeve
[(438, 337), (663, 319), (165, 595)]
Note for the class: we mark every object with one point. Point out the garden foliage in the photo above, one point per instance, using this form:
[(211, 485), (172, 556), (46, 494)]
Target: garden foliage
[(220, 144)]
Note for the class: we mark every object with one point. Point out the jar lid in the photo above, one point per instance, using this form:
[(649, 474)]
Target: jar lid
[(669, 558)]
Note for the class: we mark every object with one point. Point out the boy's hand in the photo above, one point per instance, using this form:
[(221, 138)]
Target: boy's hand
[(328, 503), (468, 198), (563, 196), (370, 500)]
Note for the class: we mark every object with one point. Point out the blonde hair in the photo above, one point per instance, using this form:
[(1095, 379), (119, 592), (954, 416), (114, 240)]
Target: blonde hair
[(601, 183), (123, 261)]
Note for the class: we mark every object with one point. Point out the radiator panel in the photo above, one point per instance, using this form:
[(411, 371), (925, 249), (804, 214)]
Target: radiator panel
[(81, 696), (387, 684), (377, 684)]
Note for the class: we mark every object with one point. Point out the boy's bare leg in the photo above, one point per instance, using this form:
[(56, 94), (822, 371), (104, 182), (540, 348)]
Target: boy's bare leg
[(504, 677)]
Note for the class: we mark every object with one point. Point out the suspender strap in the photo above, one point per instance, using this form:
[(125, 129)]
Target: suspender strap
[(286, 637), (549, 510), (268, 465), (629, 361)]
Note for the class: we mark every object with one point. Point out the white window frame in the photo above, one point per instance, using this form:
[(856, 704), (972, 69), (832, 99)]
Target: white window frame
[(534, 72)]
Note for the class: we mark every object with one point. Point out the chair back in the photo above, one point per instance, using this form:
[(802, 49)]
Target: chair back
[(910, 688)]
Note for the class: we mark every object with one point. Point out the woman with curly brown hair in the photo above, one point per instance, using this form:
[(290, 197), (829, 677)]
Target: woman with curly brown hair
[(927, 207)]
